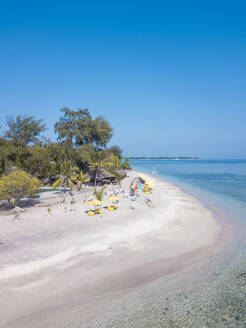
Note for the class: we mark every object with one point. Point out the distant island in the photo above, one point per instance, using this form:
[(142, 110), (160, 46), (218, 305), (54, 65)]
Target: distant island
[(166, 158)]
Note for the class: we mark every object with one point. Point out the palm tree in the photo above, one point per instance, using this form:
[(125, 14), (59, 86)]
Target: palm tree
[(80, 179), (97, 164), (67, 174), (99, 193)]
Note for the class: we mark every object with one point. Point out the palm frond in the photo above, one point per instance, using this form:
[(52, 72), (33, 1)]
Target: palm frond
[(99, 193), (57, 183), (70, 184)]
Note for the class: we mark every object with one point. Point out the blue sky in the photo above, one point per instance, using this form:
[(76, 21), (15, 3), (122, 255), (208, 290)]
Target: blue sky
[(169, 75)]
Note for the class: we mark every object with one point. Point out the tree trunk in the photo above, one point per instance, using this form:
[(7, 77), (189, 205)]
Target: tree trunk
[(96, 178)]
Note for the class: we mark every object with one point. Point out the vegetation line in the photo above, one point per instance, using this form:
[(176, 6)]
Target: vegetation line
[(80, 154)]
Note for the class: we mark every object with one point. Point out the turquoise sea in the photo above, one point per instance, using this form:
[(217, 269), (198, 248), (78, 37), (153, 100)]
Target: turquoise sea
[(220, 185)]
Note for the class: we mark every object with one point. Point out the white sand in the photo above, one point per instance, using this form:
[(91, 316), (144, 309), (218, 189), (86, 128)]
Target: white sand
[(47, 258)]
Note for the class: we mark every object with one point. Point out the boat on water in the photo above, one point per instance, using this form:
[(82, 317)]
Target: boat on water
[(154, 170)]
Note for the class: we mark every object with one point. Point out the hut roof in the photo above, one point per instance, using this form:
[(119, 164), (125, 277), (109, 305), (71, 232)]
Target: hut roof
[(102, 174), (122, 172)]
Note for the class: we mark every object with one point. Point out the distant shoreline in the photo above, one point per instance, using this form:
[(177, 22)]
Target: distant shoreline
[(165, 158)]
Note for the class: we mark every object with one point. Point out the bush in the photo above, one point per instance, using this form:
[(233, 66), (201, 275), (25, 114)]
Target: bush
[(126, 165), (17, 185)]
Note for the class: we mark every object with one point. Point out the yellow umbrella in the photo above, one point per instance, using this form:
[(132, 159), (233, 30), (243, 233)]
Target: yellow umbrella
[(113, 198), (149, 184), (146, 179), (95, 202)]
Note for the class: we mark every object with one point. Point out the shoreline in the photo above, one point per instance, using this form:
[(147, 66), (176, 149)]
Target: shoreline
[(226, 232), (130, 263)]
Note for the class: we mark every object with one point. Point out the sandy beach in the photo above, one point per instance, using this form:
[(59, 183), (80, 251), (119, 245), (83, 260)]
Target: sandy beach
[(64, 269)]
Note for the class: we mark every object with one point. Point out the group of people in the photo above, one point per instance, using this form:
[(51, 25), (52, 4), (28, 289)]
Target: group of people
[(138, 185)]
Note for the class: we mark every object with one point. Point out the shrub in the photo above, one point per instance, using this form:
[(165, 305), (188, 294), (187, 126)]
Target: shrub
[(15, 186), (126, 165)]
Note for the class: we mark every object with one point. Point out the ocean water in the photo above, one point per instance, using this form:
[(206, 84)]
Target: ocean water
[(221, 183)]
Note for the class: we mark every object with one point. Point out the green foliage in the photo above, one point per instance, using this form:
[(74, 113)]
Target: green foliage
[(11, 155), (99, 193), (81, 145), (116, 151), (67, 175), (39, 163), (4, 155), (17, 185), (102, 132), (112, 163), (80, 179), (24, 130), (126, 165), (97, 162), (119, 176), (84, 156), (76, 128)]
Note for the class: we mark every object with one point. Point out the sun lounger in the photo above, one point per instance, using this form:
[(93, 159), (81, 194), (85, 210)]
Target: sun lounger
[(97, 211), (112, 208), (91, 213)]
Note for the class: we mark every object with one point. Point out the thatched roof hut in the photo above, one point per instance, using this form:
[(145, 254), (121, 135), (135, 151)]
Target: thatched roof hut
[(122, 172), (102, 176)]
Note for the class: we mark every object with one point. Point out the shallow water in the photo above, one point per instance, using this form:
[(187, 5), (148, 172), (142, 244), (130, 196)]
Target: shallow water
[(220, 184)]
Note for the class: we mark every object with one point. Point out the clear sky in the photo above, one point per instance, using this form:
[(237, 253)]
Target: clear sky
[(169, 75)]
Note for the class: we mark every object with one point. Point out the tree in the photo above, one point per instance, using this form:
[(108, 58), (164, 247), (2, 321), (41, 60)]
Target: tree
[(76, 128), (80, 179), (57, 154), (4, 154), (84, 154), (112, 163), (17, 185), (24, 130), (12, 155), (116, 151), (67, 175), (82, 141), (96, 163), (39, 162), (99, 193), (102, 132), (126, 165)]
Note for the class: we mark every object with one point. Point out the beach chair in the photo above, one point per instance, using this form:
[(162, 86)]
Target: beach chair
[(91, 213), (146, 190), (98, 211)]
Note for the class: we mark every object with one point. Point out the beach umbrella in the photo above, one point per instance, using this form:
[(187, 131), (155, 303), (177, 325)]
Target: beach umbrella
[(134, 185), (95, 202), (149, 184), (113, 198), (145, 179), (139, 185), (142, 176)]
